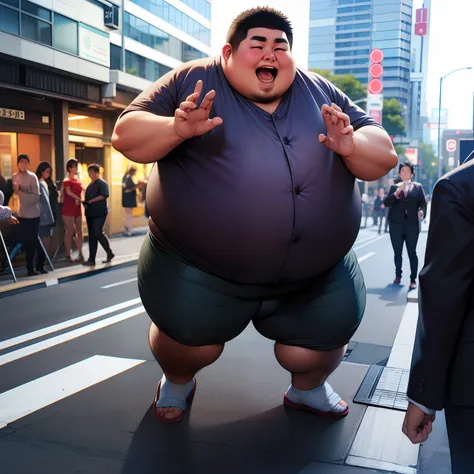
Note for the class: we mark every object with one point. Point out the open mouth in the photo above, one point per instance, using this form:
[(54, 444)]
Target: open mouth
[(267, 74)]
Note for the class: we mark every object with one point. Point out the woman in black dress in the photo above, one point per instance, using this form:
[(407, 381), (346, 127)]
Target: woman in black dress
[(129, 198)]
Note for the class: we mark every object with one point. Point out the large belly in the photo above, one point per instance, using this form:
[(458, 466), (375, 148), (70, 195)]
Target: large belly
[(253, 227)]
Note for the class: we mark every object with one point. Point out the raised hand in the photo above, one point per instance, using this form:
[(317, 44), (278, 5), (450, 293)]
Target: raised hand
[(340, 132), (191, 121)]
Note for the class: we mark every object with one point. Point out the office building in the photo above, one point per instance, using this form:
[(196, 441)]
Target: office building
[(343, 32), (64, 78)]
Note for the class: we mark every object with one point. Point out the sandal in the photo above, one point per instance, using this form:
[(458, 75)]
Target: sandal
[(172, 403), (332, 401)]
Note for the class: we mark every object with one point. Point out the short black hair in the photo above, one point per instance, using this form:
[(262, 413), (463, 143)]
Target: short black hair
[(23, 157), (94, 167), (407, 164), (71, 163), (260, 17)]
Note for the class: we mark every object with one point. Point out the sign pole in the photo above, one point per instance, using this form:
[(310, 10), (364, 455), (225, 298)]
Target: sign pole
[(439, 126)]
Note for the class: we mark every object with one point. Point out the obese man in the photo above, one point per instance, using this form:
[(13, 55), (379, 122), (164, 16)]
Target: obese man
[(254, 209)]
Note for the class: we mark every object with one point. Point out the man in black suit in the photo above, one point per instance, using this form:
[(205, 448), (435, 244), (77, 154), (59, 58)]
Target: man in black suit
[(443, 356), (407, 203)]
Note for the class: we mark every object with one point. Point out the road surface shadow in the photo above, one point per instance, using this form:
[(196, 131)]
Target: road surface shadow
[(394, 294)]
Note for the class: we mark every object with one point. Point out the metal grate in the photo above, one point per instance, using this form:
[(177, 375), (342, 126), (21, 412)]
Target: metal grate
[(384, 387)]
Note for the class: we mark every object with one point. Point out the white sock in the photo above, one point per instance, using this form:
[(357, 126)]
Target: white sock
[(322, 398), (173, 394)]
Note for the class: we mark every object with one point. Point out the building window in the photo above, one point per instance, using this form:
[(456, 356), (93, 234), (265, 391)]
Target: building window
[(36, 10), (177, 18), (35, 29), (9, 20), (65, 34), (115, 57), (203, 7), (157, 39), (138, 65), (354, 26)]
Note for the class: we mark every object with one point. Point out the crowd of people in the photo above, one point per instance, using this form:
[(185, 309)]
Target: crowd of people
[(42, 204)]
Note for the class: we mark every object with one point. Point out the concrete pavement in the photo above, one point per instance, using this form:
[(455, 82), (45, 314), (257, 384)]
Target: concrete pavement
[(126, 250)]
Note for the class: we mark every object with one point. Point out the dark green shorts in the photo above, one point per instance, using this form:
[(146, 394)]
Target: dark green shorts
[(196, 308)]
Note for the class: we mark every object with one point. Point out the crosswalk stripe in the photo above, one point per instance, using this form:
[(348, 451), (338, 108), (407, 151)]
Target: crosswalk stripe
[(44, 391), (357, 247), (66, 324), (365, 257), (113, 285), (68, 336)]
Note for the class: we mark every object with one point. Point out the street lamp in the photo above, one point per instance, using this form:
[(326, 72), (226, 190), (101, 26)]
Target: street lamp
[(439, 113)]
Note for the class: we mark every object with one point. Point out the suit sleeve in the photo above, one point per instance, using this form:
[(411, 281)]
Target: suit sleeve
[(423, 204), (446, 284), (391, 199)]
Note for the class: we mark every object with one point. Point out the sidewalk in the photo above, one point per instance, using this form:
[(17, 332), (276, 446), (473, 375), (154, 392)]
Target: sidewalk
[(126, 250)]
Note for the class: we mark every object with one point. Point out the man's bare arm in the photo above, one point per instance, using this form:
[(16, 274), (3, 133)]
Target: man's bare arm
[(373, 156), (144, 137)]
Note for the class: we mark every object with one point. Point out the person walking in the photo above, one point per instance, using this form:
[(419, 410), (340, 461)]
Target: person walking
[(407, 207), (26, 186), (96, 213)]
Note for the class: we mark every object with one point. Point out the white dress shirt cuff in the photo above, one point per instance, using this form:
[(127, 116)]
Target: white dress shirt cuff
[(426, 411)]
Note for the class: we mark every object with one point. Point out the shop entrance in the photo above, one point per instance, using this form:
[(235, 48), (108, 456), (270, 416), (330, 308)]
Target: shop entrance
[(36, 146)]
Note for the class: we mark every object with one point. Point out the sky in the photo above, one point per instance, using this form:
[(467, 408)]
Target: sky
[(451, 47)]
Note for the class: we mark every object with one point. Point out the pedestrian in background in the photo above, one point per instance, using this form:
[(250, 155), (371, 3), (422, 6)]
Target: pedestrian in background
[(129, 198), (26, 186), (71, 210), (443, 354), (96, 213), (407, 205), (46, 226)]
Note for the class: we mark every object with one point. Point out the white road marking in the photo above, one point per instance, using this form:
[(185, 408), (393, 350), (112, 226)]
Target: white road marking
[(52, 282), (366, 239), (68, 336), (66, 324), (44, 391), (357, 247), (365, 257), (380, 443), (118, 283)]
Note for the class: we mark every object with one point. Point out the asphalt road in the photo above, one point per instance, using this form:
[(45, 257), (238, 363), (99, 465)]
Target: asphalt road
[(77, 381)]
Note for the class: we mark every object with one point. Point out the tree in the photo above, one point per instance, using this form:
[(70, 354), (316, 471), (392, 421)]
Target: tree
[(392, 117), (429, 165), (347, 83)]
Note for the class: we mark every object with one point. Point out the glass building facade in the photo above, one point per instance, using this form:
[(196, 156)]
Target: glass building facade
[(343, 32), (146, 33), (167, 12)]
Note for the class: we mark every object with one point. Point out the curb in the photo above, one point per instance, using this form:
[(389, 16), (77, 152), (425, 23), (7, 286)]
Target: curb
[(66, 279)]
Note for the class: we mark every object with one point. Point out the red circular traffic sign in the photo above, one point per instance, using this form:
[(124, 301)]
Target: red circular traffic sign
[(375, 86), (451, 145), (376, 56), (376, 71)]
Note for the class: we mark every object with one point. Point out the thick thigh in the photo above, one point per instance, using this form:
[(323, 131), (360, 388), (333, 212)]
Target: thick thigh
[(185, 302), (322, 316)]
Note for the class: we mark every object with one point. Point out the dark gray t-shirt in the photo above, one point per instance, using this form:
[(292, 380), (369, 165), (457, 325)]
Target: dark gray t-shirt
[(258, 199)]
